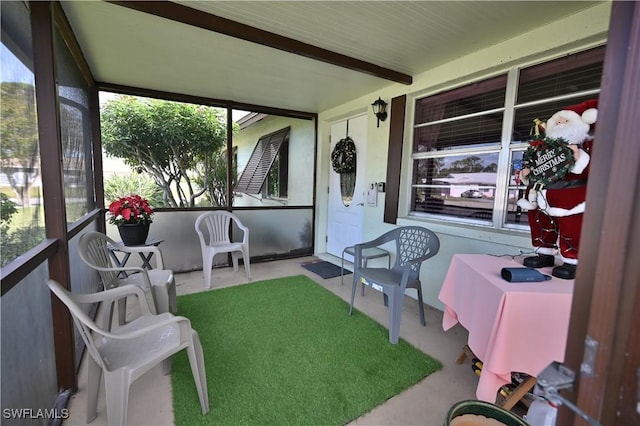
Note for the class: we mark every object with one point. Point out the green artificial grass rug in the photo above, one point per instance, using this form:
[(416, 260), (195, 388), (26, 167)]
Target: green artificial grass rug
[(286, 351)]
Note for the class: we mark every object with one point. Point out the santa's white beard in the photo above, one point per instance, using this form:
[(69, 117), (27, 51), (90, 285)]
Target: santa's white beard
[(569, 132)]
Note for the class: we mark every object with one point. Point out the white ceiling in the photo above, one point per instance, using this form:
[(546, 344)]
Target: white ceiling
[(132, 48)]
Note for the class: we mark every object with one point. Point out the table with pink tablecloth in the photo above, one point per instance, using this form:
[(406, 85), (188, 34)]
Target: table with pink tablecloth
[(513, 327)]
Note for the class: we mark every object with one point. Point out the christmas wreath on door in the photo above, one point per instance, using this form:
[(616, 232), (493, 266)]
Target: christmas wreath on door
[(343, 156)]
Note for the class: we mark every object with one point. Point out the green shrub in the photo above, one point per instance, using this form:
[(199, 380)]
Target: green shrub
[(118, 186), (7, 209), (18, 241)]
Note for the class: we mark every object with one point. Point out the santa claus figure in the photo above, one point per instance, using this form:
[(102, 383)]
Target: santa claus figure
[(557, 186)]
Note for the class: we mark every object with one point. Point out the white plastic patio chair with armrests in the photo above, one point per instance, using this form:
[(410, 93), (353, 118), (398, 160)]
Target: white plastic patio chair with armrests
[(158, 283), (123, 355), (413, 245), (213, 233)]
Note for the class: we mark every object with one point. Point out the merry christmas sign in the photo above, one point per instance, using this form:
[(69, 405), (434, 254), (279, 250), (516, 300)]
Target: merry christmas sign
[(548, 160)]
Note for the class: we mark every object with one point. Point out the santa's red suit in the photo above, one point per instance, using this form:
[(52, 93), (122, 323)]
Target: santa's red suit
[(556, 211)]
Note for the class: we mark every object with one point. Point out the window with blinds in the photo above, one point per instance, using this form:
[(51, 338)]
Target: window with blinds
[(468, 116), (261, 161), (467, 141)]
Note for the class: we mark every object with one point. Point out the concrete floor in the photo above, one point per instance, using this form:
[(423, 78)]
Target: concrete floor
[(427, 403)]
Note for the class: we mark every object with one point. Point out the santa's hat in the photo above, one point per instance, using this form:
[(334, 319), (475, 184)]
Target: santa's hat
[(587, 110)]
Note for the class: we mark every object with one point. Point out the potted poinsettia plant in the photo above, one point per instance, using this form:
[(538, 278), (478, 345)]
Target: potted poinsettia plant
[(132, 215)]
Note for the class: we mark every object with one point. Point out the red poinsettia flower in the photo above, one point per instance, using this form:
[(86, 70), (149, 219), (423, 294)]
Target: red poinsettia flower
[(130, 209)]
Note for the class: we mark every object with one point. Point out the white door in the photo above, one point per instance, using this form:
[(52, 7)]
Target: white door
[(346, 214)]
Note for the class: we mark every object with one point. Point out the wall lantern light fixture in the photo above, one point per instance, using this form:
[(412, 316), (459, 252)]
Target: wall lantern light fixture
[(380, 110)]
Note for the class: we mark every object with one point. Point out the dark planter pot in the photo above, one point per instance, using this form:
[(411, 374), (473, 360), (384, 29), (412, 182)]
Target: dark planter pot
[(134, 234)]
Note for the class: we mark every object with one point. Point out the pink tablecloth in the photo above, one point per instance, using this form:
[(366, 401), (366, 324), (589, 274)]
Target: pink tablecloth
[(512, 326)]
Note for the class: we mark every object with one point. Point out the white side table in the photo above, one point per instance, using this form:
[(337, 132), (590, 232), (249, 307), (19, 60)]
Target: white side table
[(145, 257), (367, 254)]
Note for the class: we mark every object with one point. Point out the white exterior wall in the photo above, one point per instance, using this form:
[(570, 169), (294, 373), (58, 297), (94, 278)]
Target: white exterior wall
[(301, 150), (578, 32)]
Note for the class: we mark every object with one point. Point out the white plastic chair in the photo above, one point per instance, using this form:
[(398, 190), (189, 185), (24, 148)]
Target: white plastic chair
[(213, 233), (123, 355), (413, 245), (158, 282)]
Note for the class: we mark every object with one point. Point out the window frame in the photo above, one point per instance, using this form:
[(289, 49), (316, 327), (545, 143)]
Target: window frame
[(282, 179), (261, 161), (505, 148)]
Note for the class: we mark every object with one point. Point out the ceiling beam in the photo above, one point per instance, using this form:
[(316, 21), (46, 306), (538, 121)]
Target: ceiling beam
[(207, 21)]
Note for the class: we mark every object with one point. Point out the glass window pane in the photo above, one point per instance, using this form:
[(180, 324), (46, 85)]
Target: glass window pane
[(516, 190), (524, 117), (551, 80), (465, 116), (515, 215), (460, 185), (21, 205), (561, 77), (472, 132), (75, 131), (275, 184), (476, 97)]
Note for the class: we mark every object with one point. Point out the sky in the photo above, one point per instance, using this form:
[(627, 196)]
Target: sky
[(12, 70)]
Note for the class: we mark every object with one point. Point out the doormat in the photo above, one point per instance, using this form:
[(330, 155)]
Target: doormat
[(324, 269)]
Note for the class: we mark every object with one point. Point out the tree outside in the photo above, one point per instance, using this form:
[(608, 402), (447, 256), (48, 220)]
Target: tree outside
[(118, 186), (19, 154), (212, 174), (21, 220), (180, 146)]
